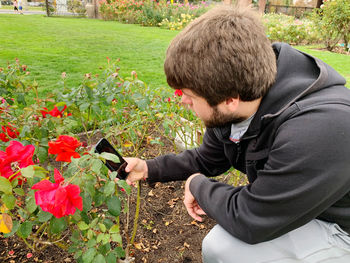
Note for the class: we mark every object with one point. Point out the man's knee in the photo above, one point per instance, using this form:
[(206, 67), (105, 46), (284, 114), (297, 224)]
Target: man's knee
[(214, 246)]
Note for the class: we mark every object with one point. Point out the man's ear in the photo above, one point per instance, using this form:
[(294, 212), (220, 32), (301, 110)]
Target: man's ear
[(232, 104)]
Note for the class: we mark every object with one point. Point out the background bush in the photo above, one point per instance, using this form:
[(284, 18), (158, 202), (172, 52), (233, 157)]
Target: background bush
[(151, 13), (332, 20)]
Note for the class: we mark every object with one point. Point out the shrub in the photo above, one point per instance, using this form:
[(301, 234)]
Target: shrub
[(76, 7), (333, 22), (285, 28), (149, 13)]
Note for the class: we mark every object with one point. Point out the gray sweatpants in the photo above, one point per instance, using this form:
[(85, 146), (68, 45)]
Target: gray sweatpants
[(317, 241)]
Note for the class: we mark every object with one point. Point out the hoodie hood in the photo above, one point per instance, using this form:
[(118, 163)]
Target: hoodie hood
[(298, 74)]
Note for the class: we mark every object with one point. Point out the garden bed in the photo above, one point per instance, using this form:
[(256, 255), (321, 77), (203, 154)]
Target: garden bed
[(165, 230)]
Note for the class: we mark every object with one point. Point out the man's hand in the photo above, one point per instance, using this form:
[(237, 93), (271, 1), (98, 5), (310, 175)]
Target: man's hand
[(190, 202), (137, 170)]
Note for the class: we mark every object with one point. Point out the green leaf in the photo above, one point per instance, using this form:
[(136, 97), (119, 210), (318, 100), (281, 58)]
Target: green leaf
[(102, 227), (5, 185), (94, 223), (119, 252), (83, 226), (114, 229), (57, 225), (30, 202), (25, 229), (99, 259), (99, 199), (87, 201), (44, 216), (123, 184), (92, 242), (109, 188), (28, 172), (114, 206), (90, 234), (89, 255), (96, 166), (42, 154), (19, 191), (105, 239), (40, 172), (110, 258), (78, 254), (15, 227), (104, 249), (110, 156), (117, 238), (99, 237), (84, 106), (9, 200)]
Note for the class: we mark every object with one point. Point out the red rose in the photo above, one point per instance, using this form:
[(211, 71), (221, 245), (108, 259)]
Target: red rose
[(16, 156), (64, 147), (8, 132), (55, 112), (178, 92), (59, 198)]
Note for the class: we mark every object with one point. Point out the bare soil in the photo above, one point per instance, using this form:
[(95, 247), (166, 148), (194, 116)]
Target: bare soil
[(166, 233)]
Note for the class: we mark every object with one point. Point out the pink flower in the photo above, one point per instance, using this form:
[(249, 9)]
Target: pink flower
[(15, 156), (59, 198)]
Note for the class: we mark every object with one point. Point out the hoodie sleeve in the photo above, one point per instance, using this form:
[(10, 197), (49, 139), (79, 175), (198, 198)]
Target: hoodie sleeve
[(208, 159), (307, 171)]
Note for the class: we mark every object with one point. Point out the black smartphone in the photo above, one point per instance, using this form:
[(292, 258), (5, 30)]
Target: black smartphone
[(104, 146)]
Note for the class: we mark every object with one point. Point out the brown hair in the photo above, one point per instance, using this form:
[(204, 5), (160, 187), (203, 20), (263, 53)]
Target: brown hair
[(223, 53)]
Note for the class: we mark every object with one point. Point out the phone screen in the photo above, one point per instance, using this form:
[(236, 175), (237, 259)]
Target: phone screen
[(104, 146)]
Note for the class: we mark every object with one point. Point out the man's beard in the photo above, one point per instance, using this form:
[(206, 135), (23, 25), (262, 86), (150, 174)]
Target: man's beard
[(219, 119)]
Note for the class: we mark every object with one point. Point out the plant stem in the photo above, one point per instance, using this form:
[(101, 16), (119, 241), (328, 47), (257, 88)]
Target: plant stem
[(137, 212), (28, 245)]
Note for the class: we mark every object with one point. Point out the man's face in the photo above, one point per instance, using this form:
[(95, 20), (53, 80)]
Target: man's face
[(211, 116)]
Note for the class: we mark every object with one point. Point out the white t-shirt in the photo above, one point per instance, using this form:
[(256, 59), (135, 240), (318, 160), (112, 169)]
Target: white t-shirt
[(238, 129)]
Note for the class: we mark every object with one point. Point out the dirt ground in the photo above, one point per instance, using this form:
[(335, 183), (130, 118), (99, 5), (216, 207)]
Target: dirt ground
[(166, 233)]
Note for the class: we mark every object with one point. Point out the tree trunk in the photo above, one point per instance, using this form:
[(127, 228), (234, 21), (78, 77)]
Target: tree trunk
[(319, 3), (47, 7), (244, 3), (262, 5)]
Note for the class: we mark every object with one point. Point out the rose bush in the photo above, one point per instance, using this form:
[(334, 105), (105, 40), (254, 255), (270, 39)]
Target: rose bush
[(53, 187)]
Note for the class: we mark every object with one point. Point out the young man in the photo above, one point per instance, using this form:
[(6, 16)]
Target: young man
[(280, 116)]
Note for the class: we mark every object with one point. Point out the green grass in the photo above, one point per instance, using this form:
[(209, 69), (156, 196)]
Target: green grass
[(30, 8), (339, 62), (50, 46)]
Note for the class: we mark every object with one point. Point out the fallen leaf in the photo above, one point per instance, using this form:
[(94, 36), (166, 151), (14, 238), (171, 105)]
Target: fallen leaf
[(172, 202), (5, 223), (138, 246), (186, 245)]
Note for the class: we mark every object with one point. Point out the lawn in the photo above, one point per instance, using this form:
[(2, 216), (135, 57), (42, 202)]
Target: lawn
[(339, 62), (50, 46)]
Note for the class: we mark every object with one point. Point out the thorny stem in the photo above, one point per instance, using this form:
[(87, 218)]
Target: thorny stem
[(126, 228), (79, 171), (137, 212), (40, 228)]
